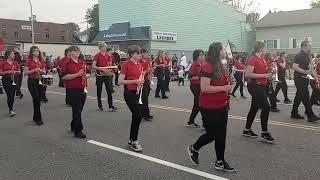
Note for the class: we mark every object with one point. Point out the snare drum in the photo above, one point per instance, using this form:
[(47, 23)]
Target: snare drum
[(47, 80)]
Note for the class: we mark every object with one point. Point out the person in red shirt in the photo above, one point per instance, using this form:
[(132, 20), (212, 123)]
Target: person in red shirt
[(75, 74), (215, 86), (145, 63), (65, 59), (43, 97), (59, 65), (9, 69), (238, 75), (194, 77), (160, 64), (167, 70), (315, 96), (258, 76), (130, 77), (282, 67), (102, 60), (34, 69)]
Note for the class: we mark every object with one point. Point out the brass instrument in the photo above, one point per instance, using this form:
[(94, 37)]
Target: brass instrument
[(40, 83), (12, 76), (101, 73), (312, 67), (230, 82), (84, 79), (140, 87)]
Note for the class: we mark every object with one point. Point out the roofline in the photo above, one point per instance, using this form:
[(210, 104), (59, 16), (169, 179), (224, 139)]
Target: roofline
[(35, 21), (43, 42), (285, 25)]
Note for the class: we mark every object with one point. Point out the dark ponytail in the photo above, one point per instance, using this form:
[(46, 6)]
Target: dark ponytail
[(213, 58)]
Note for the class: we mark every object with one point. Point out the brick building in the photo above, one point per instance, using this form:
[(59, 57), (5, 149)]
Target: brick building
[(13, 31)]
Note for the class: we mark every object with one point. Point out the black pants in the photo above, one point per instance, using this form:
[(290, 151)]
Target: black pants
[(239, 80), (18, 81), (131, 99), (181, 80), (10, 91), (35, 91), (167, 80), (61, 83), (284, 87), (195, 89), (161, 84), (116, 81), (272, 97), (107, 81), (215, 121), (259, 101), (145, 110), (315, 96), (43, 96), (302, 95), (68, 99), (77, 99)]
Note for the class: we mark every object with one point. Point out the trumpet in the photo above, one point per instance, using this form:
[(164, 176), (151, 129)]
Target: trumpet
[(84, 79), (101, 73), (12, 76), (40, 83), (230, 82), (140, 87)]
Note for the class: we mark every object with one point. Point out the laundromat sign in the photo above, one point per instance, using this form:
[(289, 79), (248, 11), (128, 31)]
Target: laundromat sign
[(164, 36)]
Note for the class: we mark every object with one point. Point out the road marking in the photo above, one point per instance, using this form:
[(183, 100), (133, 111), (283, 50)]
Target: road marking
[(158, 161), (278, 123)]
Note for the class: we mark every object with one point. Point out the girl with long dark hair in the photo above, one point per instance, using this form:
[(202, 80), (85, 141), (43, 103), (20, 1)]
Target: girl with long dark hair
[(214, 85), (238, 75)]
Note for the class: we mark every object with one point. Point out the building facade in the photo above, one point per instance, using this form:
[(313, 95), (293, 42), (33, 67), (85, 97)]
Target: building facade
[(13, 31), (175, 26), (284, 31)]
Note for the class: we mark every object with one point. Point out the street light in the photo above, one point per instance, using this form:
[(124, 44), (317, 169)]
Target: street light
[(32, 19)]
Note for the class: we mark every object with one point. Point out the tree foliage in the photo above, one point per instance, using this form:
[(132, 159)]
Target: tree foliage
[(92, 18), (253, 17), (315, 4), (244, 6), (75, 27)]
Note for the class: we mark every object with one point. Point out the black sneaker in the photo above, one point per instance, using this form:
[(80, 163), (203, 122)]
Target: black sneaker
[(267, 138), (224, 166), (233, 95), (193, 155), (193, 125), (165, 97), (80, 135), (313, 119), (274, 110), (249, 133), (287, 101), (100, 109), (112, 109), (148, 118), (12, 113), (157, 97), (296, 116), (135, 145), (39, 123)]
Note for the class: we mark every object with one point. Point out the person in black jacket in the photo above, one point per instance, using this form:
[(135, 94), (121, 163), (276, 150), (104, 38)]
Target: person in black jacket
[(18, 59)]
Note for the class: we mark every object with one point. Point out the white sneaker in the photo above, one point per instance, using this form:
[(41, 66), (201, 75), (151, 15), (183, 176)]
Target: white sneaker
[(136, 146), (11, 113)]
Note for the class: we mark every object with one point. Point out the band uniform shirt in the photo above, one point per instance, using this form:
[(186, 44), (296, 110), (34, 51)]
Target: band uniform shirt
[(32, 64), (145, 65), (281, 70), (102, 60), (194, 71), (71, 67), (213, 100), (131, 71), (303, 60), (260, 67), (238, 65), (5, 66)]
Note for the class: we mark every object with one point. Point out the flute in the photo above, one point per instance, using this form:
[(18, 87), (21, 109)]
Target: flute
[(84, 79)]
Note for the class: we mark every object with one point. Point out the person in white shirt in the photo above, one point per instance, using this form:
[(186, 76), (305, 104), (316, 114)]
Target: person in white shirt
[(183, 60), (181, 75)]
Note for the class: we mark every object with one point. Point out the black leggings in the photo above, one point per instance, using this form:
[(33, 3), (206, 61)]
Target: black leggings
[(239, 80), (284, 87), (145, 110), (107, 81), (195, 89), (131, 99), (215, 121), (259, 101), (77, 99), (10, 91), (35, 91), (302, 95)]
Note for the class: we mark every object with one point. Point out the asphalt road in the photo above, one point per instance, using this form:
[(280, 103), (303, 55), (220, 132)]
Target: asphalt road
[(51, 152)]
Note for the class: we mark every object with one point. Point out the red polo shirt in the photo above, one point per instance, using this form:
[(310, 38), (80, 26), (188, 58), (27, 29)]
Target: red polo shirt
[(167, 61), (213, 100), (318, 69), (45, 65), (5, 66), (32, 64), (61, 61), (194, 71), (238, 65), (102, 60), (145, 65), (260, 67), (131, 71), (160, 60), (71, 67)]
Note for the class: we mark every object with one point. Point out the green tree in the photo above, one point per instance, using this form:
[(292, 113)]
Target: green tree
[(92, 18), (315, 4), (75, 28)]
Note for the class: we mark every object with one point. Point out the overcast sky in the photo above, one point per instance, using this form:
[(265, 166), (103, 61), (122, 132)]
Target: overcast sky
[(63, 11)]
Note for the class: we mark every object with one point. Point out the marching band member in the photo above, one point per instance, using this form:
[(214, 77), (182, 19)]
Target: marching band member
[(270, 91), (213, 103), (258, 76), (315, 97), (301, 69), (194, 77), (102, 60), (75, 74), (34, 69), (18, 58), (117, 61), (238, 75), (130, 77), (43, 97), (145, 63), (62, 61), (160, 72), (9, 69), (167, 70), (282, 67)]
